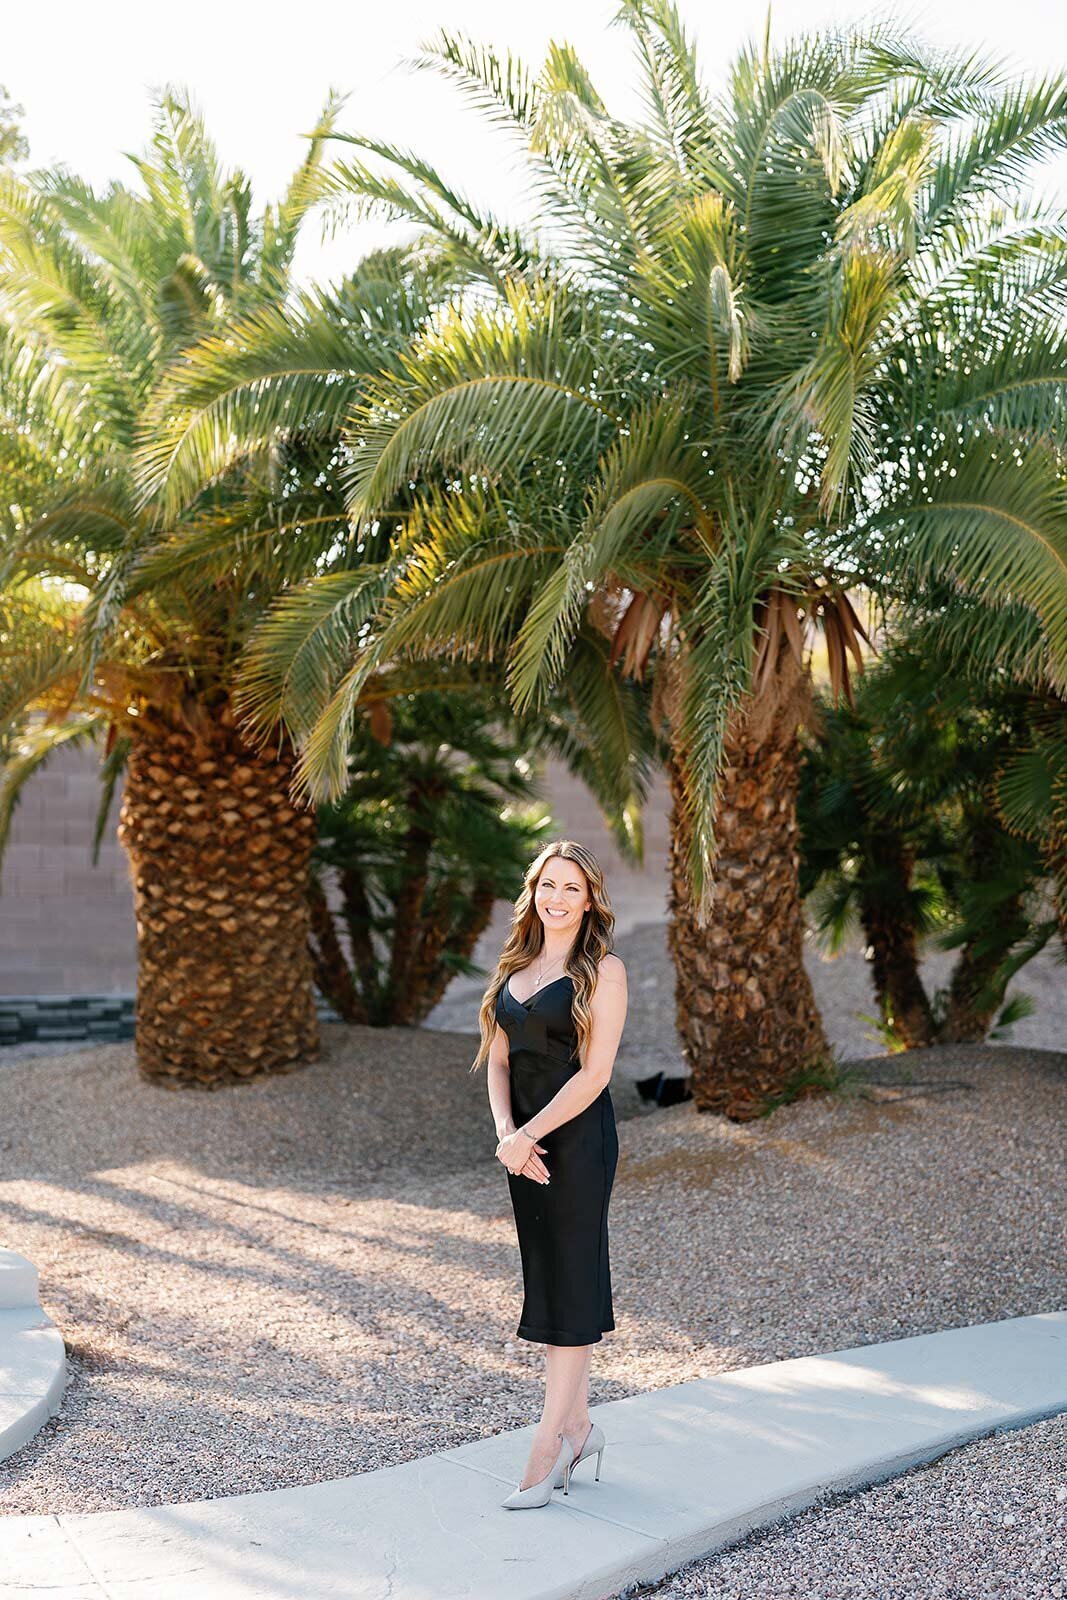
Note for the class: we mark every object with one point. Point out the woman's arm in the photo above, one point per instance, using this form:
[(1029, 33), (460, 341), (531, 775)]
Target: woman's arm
[(581, 1089), (498, 1074), (498, 1077)]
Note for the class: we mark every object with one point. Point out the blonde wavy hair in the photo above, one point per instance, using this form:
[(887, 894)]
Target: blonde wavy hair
[(527, 936)]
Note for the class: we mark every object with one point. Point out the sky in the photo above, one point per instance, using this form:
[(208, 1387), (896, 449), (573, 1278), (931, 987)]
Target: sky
[(260, 74)]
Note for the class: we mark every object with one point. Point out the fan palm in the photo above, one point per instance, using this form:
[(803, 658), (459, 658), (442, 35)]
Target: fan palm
[(771, 344), (863, 862), (106, 632), (435, 826), (1005, 651), (900, 831)]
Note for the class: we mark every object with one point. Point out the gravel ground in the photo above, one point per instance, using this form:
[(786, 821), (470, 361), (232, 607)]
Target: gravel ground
[(988, 1519), (316, 1274)]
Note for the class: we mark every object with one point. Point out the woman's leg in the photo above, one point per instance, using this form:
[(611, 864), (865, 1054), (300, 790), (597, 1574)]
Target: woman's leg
[(566, 1374), (578, 1422)]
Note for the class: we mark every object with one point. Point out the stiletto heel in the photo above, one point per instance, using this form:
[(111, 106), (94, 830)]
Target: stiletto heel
[(539, 1494), (594, 1441)]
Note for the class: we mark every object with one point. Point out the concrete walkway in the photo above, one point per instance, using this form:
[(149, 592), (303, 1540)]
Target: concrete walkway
[(687, 1469), (33, 1359)]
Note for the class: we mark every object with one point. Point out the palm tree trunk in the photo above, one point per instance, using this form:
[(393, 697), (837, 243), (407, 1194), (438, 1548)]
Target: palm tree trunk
[(894, 952), (974, 995), (409, 908), (332, 972), (440, 927), (220, 862), (975, 992), (746, 1013)]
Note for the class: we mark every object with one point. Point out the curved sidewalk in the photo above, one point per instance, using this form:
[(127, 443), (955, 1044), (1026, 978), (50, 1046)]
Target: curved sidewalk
[(33, 1358), (686, 1470)]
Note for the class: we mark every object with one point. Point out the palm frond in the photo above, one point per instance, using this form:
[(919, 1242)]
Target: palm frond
[(645, 478), (29, 752), (481, 394), (481, 244), (501, 87), (670, 81), (694, 302), (281, 224), (295, 654), (1017, 126), (838, 392), (992, 520), (36, 628), (788, 114), (1031, 787), (1020, 387), (598, 725), (111, 771), (276, 370)]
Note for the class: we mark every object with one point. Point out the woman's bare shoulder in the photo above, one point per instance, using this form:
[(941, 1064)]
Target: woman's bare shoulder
[(611, 968)]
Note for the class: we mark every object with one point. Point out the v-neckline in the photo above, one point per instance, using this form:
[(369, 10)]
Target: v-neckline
[(533, 997)]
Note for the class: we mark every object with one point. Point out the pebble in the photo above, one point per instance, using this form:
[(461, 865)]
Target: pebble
[(863, 1546)]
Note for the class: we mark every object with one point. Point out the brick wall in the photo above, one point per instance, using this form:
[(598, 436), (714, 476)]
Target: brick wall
[(66, 927)]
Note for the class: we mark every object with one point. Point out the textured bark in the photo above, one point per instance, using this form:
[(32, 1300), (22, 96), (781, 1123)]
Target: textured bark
[(429, 976), (358, 922), (219, 860), (409, 909), (332, 972), (746, 1013), (894, 958), (453, 915)]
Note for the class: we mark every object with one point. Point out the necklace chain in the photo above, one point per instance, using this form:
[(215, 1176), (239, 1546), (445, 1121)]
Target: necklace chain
[(541, 973)]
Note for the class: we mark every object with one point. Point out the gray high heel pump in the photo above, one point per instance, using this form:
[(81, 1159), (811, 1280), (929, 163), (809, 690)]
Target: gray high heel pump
[(539, 1494), (594, 1440)]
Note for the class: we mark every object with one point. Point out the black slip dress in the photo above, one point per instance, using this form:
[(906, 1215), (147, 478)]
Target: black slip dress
[(562, 1225)]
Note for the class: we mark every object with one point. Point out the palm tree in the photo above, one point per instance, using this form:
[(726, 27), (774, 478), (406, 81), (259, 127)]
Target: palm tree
[(435, 826), (1031, 796), (901, 833), (107, 632), (1006, 649), (771, 345), (862, 861)]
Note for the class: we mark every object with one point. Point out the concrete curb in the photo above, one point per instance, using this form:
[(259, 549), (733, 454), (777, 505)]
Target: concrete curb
[(687, 1470), (33, 1358)]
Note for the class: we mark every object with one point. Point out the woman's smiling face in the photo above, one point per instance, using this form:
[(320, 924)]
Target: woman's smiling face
[(562, 894)]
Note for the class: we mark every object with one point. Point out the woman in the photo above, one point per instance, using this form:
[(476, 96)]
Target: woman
[(551, 1022)]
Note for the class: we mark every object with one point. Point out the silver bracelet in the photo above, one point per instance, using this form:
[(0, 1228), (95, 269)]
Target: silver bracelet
[(531, 1136)]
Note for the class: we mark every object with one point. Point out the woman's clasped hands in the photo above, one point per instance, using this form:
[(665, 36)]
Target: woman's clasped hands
[(521, 1156)]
